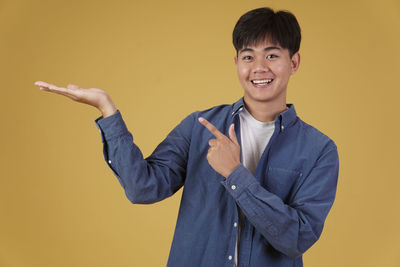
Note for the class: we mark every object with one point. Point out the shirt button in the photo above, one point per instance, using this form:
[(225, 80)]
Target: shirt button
[(282, 127), (230, 257), (109, 161), (241, 108), (235, 224), (233, 187)]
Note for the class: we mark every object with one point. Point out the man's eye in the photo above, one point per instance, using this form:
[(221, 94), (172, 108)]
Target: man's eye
[(271, 56), (247, 57)]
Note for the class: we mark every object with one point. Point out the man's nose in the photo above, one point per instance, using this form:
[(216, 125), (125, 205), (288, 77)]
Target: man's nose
[(261, 65)]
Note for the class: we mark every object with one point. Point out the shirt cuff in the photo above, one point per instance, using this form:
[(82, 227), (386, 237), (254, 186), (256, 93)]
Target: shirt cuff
[(240, 179), (111, 126)]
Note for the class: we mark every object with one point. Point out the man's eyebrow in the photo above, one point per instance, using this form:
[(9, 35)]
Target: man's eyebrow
[(272, 48), (247, 49)]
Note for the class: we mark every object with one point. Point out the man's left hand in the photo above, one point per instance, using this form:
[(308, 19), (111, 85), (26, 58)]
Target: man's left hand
[(224, 153)]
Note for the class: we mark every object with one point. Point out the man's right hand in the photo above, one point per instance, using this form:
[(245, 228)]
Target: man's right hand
[(93, 96)]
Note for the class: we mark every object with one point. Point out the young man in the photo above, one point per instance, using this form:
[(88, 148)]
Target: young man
[(258, 181)]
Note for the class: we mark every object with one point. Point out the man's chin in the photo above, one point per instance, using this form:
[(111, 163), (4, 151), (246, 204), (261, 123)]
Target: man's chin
[(259, 98)]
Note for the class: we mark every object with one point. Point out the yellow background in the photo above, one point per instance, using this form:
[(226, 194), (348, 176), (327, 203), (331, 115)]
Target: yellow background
[(60, 205)]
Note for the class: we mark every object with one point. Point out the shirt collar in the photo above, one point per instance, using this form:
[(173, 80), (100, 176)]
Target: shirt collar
[(283, 120), (237, 107)]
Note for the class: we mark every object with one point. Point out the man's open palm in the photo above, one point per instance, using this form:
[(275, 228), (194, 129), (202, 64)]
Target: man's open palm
[(93, 96)]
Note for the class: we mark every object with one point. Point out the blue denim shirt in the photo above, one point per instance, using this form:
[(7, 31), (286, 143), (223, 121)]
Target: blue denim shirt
[(284, 203)]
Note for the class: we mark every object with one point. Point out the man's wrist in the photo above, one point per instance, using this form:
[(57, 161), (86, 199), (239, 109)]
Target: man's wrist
[(232, 169), (108, 111), (107, 108)]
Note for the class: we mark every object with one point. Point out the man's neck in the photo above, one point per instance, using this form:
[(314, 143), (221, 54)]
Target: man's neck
[(264, 111)]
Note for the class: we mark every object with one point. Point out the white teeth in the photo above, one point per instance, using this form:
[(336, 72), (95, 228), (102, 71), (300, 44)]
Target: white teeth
[(261, 81)]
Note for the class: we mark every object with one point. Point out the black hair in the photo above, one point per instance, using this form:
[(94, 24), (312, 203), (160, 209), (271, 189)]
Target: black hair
[(262, 24)]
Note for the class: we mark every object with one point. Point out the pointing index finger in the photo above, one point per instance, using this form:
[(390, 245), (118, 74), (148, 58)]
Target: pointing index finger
[(211, 128)]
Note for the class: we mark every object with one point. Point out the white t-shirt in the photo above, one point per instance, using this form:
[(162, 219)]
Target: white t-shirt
[(254, 136)]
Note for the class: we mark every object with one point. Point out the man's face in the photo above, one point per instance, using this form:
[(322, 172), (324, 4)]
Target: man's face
[(264, 71)]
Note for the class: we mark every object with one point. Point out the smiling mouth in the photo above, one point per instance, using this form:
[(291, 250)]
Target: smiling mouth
[(262, 82)]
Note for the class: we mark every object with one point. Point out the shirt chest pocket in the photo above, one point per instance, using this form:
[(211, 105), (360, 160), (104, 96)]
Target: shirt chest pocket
[(280, 182)]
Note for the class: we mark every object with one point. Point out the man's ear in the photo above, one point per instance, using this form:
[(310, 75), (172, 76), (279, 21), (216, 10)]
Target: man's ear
[(235, 60), (295, 62)]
